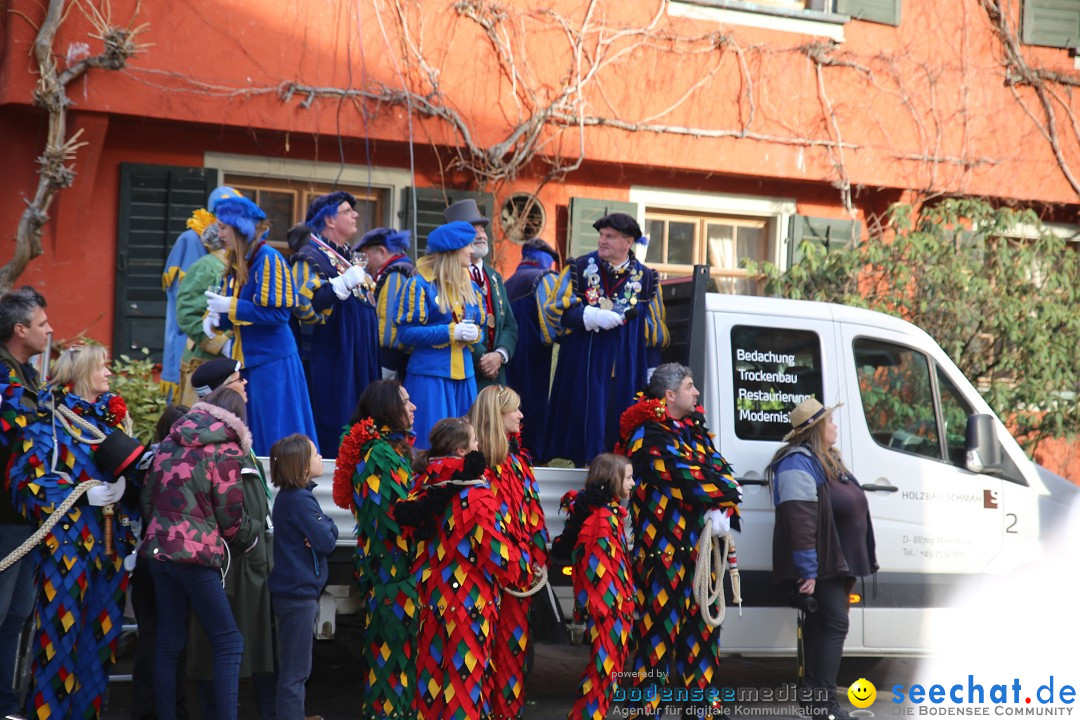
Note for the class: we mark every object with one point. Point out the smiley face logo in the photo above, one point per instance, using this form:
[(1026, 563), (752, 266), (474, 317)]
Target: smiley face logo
[(862, 693)]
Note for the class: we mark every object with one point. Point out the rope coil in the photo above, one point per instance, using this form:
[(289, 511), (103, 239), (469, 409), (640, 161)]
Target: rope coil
[(716, 553), (50, 522), (541, 581)]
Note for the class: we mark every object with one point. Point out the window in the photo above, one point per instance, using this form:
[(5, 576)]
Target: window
[(1052, 23), (821, 18), (678, 241), (955, 411), (285, 203), (775, 369), (897, 397)]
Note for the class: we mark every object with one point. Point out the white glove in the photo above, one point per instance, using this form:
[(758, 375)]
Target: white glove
[(588, 316), (466, 332), (341, 287), (219, 304), (107, 493), (388, 374), (721, 523), (648, 374), (211, 321), (608, 319), (226, 349), (354, 276)]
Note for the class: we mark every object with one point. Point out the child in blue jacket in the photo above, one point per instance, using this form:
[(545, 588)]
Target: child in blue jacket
[(303, 538)]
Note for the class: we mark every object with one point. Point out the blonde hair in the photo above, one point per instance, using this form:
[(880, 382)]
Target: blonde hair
[(454, 283), (486, 416), (814, 436), (236, 265), (76, 364)]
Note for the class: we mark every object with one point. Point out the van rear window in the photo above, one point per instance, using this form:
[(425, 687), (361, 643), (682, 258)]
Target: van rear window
[(775, 369)]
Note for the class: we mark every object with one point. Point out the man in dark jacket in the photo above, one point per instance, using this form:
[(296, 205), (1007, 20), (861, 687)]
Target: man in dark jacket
[(491, 356), (527, 289), (389, 265), (24, 332)]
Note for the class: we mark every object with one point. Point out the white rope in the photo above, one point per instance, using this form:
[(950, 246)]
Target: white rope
[(50, 522), (713, 552), (541, 581)]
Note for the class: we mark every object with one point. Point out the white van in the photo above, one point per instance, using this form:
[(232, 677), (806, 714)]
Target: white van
[(913, 430)]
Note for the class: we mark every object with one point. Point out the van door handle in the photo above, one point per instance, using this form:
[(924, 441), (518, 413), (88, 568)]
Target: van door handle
[(751, 481), (874, 487)]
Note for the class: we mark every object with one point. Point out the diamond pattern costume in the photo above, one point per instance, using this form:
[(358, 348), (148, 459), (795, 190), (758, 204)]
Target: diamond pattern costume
[(680, 476), (80, 600), (372, 474), (603, 593), (518, 496), (463, 556)]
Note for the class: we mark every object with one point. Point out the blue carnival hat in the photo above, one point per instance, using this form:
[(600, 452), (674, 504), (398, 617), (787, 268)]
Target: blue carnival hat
[(326, 206), (396, 241), (450, 237), (539, 252), (240, 213), (220, 194)]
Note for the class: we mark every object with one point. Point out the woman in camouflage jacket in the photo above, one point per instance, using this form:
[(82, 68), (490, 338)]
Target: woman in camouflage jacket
[(195, 507)]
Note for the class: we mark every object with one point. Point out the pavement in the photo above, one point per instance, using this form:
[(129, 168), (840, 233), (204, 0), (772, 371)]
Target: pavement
[(334, 688)]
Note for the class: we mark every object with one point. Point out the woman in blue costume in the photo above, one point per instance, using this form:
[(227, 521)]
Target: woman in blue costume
[(257, 300), (79, 575), (441, 317), (335, 298)]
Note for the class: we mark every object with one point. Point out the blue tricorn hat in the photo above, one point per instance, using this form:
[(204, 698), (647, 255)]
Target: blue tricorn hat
[(326, 206)]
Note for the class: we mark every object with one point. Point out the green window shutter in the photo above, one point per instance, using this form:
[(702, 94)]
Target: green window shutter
[(583, 213), (886, 12), (155, 204), (430, 203), (1053, 23), (830, 232)]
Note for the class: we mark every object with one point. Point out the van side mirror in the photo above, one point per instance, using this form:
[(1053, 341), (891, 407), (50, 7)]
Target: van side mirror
[(984, 453)]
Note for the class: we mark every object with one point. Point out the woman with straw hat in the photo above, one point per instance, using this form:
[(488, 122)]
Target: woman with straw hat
[(822, 541)]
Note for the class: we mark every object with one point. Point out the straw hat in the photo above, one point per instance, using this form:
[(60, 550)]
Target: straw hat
[(807, 414)]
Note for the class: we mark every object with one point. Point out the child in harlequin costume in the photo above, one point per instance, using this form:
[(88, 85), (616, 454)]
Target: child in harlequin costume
[(372, 473), (595, 542), (496, 416), (81, 582), (256, 302), (683, 482), (463, 556), (441, 317)]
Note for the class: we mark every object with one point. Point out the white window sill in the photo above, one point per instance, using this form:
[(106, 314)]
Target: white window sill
[(748, 14)]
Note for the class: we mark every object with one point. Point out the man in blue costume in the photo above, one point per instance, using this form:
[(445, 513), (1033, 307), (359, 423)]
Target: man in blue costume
[(527, 289), (608, 315), (186, 250), (491, 356), (24, 332), (389, 265), (334, 297)]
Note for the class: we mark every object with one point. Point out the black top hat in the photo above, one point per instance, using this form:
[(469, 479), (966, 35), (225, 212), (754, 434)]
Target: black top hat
[(212, 374), (465, 211), (116, 453)]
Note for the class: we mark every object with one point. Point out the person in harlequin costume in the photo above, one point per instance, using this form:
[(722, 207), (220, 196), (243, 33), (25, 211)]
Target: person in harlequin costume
[(24, 332), (496, 417), (373, 472), (79, 573), (608, 315), (441, 318), (463, 555), (683, 483), (256, 301), (594, 540), (491, 356), (188, 249), (334, 297), (527, 289), (389, 265)]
